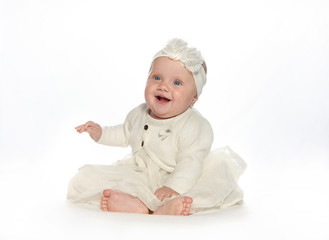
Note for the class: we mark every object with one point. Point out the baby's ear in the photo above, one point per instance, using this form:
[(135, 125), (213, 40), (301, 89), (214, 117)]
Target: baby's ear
[(194, 100)]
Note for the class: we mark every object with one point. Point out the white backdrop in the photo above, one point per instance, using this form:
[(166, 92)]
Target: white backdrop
[(267, 97)]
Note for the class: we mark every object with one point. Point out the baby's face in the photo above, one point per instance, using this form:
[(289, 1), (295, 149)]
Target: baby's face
[(170, 88)]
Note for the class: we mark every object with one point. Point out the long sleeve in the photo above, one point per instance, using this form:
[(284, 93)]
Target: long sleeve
[(114, 136), (194, 144), (119, 135)]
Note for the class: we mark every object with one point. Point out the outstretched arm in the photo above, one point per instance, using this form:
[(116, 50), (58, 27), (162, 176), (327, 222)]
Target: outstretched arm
[(94, 130)]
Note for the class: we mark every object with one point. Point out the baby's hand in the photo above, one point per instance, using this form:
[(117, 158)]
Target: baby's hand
[(164, 193), (94, 130)]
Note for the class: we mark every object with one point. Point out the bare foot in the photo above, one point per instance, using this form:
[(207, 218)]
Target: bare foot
[(120, 202), (177, 206)]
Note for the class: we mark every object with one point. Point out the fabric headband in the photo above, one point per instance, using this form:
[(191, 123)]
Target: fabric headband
[(191, 59)]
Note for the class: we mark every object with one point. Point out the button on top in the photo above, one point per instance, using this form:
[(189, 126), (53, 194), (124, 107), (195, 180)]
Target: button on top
[(146, 127)]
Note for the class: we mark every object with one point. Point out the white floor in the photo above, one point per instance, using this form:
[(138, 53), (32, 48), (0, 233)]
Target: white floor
[(66, 62)]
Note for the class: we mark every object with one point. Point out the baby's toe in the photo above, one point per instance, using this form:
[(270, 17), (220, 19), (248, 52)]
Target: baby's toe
[(106, 193)]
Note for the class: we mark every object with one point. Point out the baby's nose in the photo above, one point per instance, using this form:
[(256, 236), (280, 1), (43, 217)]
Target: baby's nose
[(163, 86)]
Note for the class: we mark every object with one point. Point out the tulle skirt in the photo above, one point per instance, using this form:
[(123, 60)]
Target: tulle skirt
[(216, 188)]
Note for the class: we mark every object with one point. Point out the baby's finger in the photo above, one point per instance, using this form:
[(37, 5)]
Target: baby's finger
[(158, 196), (89, 125), (165, 196), (89, 129), (80, 128)]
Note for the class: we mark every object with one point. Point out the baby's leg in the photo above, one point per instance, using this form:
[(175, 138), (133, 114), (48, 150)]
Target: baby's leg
[(176, 206), (120, 202)]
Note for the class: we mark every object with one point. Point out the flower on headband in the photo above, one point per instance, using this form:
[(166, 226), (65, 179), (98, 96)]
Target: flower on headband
[(192, 59), (177, 49)]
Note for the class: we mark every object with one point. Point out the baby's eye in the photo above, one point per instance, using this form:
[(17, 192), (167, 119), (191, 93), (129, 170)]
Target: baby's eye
[(178, 83), (156, 78)]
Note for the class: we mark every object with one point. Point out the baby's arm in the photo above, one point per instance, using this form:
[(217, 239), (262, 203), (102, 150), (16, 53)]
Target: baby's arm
[(194, 144), (117, 135), (94, 130)]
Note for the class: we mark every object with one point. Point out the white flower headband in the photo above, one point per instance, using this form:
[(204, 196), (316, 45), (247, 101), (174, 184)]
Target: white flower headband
[(191, 58)]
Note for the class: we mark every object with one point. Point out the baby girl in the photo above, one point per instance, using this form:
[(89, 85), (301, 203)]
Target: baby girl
[(171, 170)]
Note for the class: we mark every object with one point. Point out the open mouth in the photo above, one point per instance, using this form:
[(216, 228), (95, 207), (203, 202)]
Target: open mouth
[(162, 99)]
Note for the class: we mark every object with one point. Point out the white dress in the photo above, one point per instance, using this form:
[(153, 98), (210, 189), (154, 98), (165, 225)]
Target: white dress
[(173, 152)]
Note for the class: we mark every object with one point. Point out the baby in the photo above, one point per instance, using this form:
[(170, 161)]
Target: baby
[(171, 170)]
